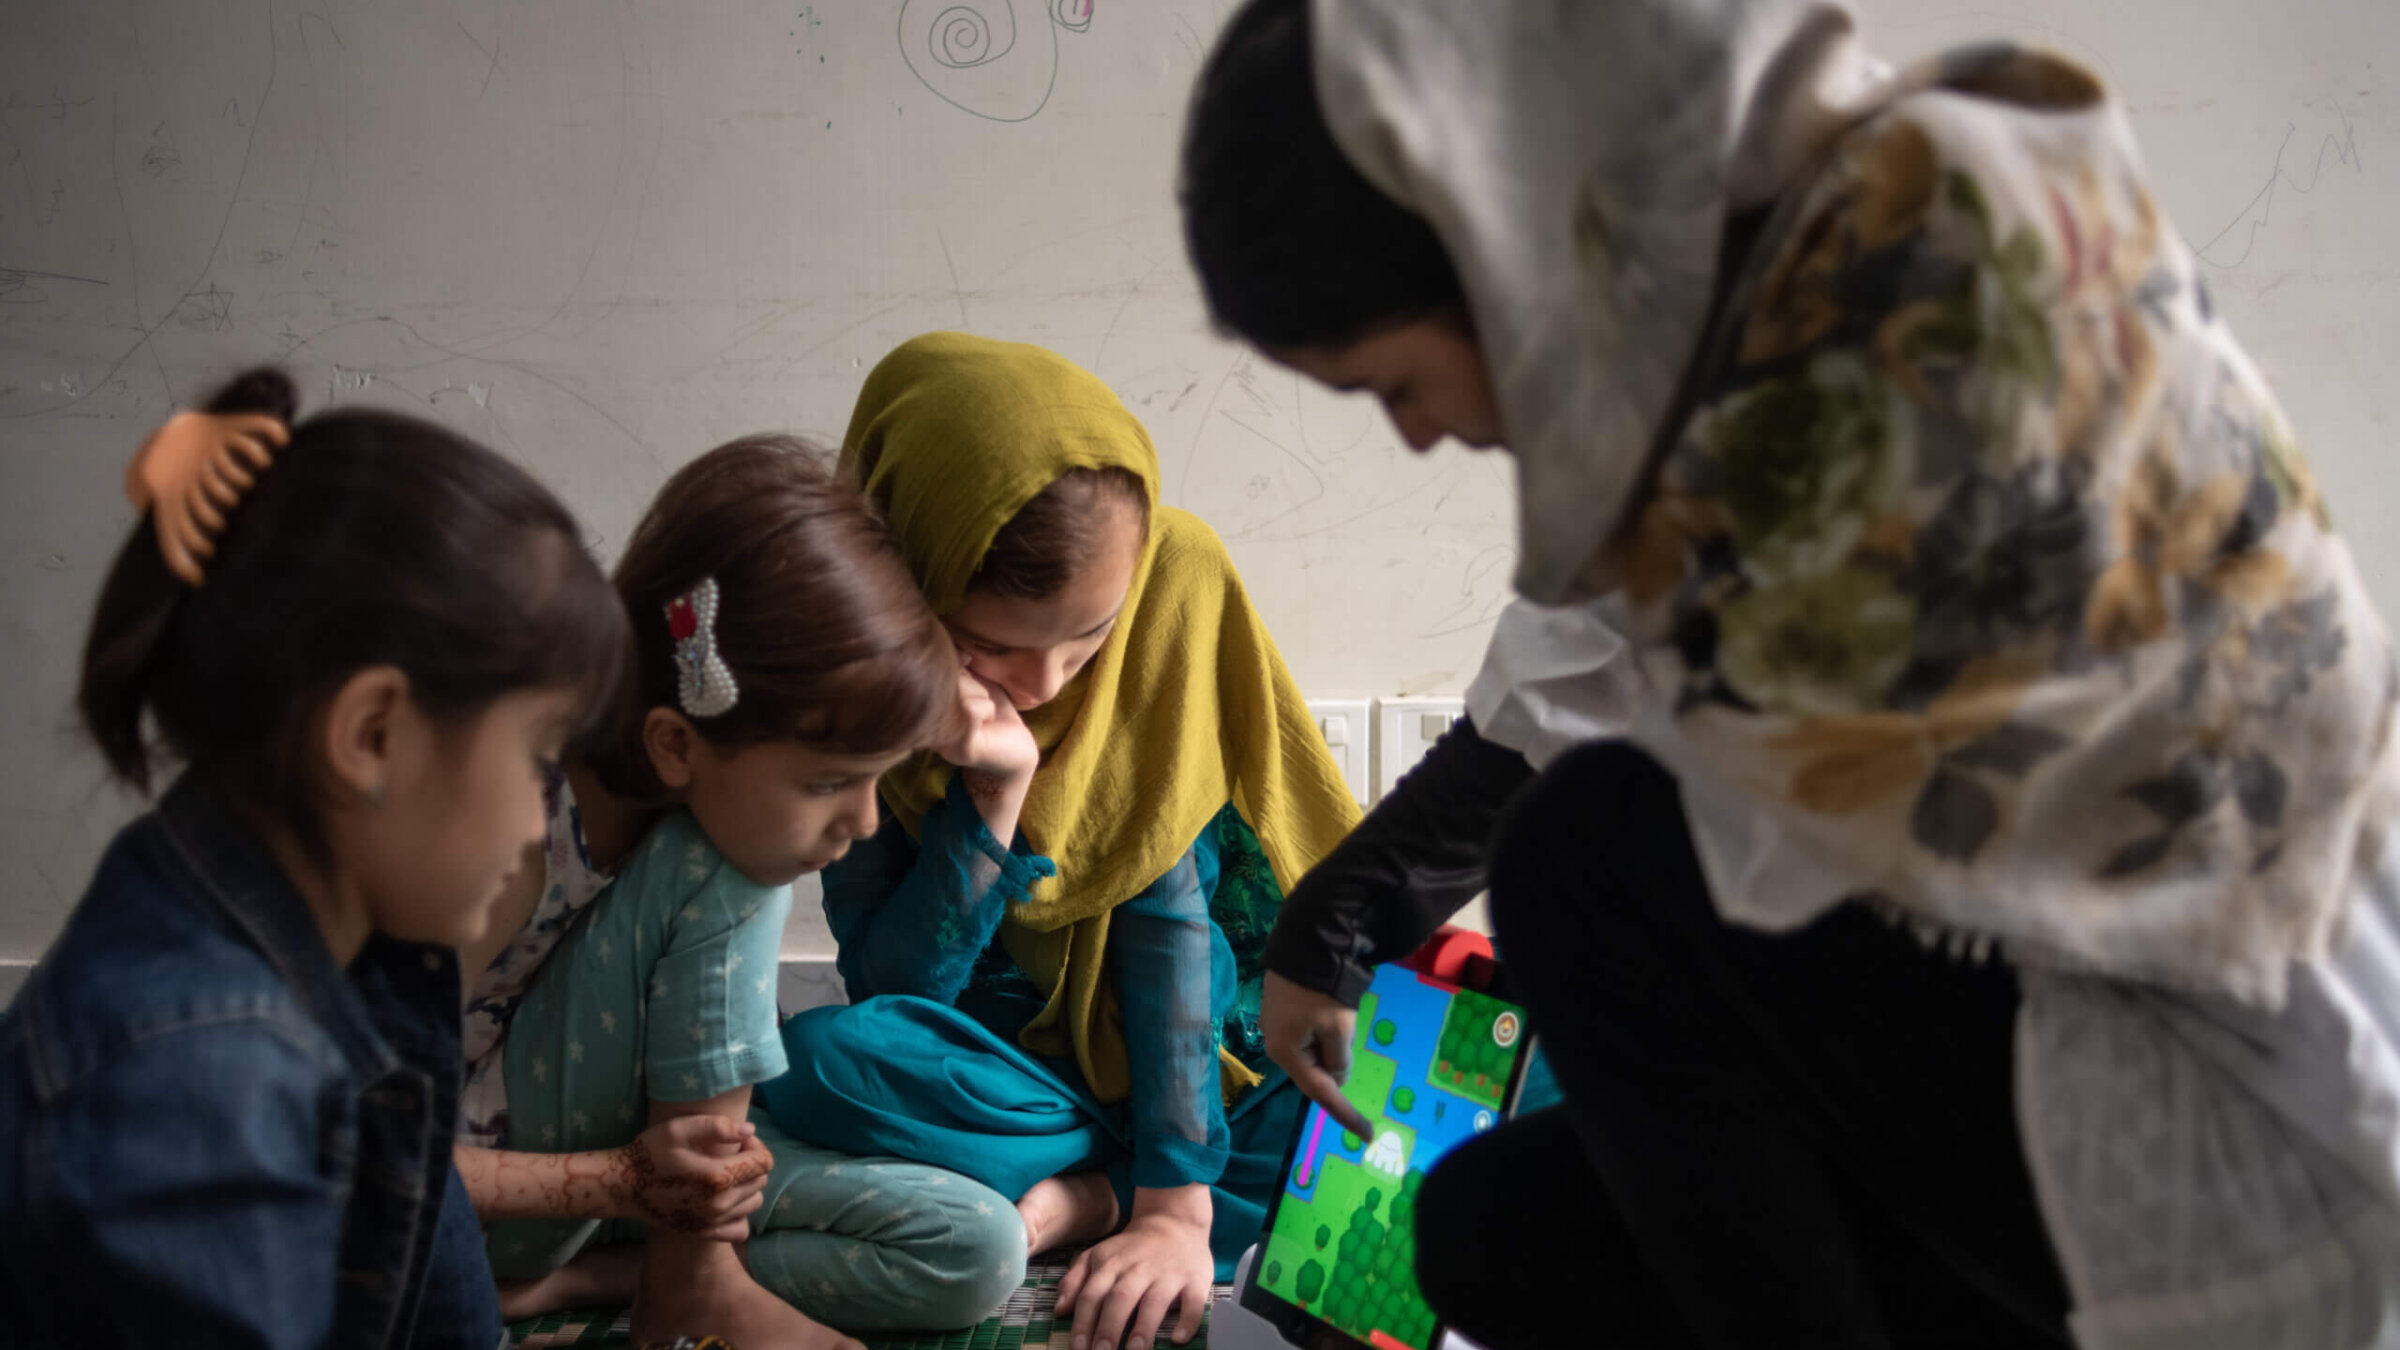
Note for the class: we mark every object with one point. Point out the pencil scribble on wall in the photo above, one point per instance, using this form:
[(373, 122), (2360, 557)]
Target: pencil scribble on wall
[(981, 57)]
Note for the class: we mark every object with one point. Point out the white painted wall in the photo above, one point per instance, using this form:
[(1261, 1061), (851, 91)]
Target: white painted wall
[(604, 236)]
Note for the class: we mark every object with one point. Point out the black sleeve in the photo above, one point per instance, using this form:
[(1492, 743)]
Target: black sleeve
[(1414, 861)]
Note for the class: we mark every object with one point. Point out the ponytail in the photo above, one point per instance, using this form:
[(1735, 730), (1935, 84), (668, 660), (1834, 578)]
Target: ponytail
[(372, 540), (138, 604)]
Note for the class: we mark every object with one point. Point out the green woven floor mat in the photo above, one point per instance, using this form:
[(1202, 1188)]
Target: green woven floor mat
[(586, 1327), (1025, 1322)]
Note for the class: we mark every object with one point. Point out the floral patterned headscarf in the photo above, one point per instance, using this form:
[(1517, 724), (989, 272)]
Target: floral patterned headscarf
[(1584, 207), (1976, 572)]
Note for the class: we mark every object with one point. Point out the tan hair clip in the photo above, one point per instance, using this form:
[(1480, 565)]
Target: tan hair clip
[(191, 472)]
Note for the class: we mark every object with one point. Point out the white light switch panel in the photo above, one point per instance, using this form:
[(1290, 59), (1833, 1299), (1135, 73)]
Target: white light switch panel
[(1405, 728), (1349, 733)]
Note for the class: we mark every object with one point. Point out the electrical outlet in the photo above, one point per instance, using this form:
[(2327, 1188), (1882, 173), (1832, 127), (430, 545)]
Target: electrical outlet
[(1349, 733), (1405, 728)]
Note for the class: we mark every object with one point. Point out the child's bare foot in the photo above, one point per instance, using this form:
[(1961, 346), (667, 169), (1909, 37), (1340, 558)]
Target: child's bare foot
[(599, 1277), (699, 1288), (1063, 1211)]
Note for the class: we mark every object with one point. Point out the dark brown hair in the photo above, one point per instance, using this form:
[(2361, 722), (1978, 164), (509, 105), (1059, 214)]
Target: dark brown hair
[(374, 540), (1057, 534), (828, 638), (1293, 246)]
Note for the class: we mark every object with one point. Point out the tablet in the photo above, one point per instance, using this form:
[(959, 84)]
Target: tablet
[(1435, 1063)]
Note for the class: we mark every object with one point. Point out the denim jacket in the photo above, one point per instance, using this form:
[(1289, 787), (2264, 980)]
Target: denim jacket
[(211, 1135)]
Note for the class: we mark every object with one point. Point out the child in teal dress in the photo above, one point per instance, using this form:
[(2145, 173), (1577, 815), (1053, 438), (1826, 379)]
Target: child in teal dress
[(783, 661)]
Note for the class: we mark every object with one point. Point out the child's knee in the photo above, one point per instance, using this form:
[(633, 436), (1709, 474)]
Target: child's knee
[(903, 1246), (984, 1260)]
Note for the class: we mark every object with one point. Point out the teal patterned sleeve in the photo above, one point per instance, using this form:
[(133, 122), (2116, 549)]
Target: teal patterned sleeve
[(711, 1002), (912, 916), (1175, 983)]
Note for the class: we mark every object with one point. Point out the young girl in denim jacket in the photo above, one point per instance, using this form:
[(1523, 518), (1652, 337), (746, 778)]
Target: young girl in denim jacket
[(226, 1093)]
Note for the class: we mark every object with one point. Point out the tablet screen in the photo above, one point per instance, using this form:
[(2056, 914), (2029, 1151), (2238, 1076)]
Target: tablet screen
[(1432, 1066)]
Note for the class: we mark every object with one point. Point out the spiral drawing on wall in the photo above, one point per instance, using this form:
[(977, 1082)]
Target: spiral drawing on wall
[(978, 57)]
